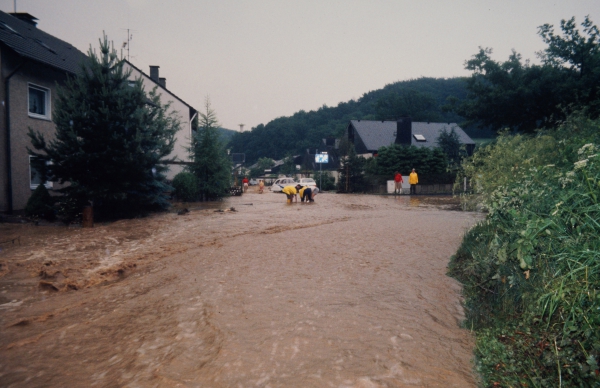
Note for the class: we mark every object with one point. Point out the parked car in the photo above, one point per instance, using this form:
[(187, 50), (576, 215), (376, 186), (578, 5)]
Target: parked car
[(253, 182), (308, 182), (280, 183)]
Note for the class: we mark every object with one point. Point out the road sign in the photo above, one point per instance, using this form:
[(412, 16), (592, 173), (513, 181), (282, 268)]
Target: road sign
[(321, 158)]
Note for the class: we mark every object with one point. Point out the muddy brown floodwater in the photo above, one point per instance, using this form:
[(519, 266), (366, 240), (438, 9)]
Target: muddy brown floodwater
[(348, 291)]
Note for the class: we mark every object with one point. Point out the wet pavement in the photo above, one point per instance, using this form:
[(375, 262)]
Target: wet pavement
[(348, 291)]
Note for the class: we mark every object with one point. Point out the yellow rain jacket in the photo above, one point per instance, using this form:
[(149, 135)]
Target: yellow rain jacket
[(301, 192), (289, 190), (413, 178)]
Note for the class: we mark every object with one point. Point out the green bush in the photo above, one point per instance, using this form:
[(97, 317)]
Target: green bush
[(324, 180), (186, 186), (531, 269), (40, 204)]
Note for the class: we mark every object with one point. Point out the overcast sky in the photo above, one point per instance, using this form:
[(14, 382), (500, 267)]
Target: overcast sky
[(262, 59)]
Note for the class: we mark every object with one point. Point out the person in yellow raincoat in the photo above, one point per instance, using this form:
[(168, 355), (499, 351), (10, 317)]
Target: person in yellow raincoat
[(261, 186), (413, 179), (291, 192)]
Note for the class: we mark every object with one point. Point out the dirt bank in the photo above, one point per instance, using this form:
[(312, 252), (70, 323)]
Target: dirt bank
[(349, 291)]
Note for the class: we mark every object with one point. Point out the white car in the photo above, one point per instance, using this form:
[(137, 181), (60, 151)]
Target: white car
[(280, 183), (308, 182)]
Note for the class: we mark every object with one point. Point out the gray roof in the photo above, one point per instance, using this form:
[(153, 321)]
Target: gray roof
[(31, 42), (377, 134)]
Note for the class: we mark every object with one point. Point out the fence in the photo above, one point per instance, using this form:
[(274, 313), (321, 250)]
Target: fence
[(376, 187)]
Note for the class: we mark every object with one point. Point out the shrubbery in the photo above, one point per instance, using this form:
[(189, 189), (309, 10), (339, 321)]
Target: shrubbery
[(40, 204), (186, 186), (531, 269)]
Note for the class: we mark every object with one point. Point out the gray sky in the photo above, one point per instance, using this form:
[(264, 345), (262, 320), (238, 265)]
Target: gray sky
[(262, 59)]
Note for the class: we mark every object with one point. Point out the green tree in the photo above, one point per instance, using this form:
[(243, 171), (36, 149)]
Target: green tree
[(324, 180), (185, 185), (210, 162), (524, 97), (262, 165), (352, 177), (449, 142), (110, 140), (289, 167), (408, 103)]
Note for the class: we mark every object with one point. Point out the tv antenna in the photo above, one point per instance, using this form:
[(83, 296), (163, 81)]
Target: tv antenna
[(127, 43)]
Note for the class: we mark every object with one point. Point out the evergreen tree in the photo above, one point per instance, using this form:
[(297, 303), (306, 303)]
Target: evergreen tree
[(210, 162), (352, 179), (110, 140), (288, 167), (449, 143)]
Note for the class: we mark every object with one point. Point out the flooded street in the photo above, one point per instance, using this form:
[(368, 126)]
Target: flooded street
[(348, 291)]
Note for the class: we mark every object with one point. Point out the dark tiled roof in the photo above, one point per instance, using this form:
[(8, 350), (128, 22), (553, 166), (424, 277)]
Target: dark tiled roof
[(431, 131), (31, 42), (377, 134)]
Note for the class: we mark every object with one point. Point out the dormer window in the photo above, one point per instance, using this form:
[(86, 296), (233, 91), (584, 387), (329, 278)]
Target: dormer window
[(419, 138)]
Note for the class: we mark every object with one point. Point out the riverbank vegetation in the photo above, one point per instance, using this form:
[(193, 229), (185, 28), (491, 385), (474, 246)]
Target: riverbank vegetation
[(531, 269)]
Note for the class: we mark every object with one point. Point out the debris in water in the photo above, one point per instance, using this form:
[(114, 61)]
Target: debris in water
[(47, 286), (231, 209)]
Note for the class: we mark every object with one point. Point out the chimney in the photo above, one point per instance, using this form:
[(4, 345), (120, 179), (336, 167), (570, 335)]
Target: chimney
[(162, 82), (404, 131), (27, 18), (154, 73)]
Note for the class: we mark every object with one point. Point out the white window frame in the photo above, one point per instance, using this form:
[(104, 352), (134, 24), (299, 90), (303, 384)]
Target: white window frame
[(34, 186), (48, 107)]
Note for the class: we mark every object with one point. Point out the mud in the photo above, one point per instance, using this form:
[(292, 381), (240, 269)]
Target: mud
[(348, 291)]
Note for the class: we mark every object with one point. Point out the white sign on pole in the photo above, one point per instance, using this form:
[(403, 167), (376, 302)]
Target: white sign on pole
[(321, 158)]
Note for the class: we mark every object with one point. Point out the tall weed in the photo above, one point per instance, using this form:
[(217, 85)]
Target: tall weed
[(531, 269)]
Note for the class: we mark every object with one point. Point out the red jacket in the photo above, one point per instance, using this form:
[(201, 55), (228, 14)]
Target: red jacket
[(398, 178)]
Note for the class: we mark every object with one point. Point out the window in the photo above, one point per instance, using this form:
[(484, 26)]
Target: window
[(420, 137), (39, 102), (35, 177)]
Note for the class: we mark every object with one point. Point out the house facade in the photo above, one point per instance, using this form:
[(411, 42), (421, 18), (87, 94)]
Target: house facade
[(370, 135), (32, 63), (185, 112)]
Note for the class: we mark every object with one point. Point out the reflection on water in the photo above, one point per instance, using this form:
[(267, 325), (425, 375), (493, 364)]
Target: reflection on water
[(414, 201)]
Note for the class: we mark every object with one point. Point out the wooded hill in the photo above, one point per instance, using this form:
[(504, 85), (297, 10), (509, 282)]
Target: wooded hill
[(422, 99)]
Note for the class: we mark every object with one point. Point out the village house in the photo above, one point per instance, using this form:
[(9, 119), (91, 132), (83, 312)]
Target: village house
[(32, 64), (370, 135)]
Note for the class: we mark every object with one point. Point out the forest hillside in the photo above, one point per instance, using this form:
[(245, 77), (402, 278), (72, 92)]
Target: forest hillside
[(422, 99)]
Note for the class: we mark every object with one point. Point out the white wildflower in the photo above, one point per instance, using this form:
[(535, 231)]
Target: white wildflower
[(580, 164), (589, 147)]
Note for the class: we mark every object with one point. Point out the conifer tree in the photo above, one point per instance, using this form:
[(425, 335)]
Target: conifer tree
[(110, 139), (352, 179), (210, 162)]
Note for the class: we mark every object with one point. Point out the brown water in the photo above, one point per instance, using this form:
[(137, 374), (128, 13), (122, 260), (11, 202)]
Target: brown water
[(349, 291)]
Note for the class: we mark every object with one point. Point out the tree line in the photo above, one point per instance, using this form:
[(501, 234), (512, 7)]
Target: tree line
[(423, 99)]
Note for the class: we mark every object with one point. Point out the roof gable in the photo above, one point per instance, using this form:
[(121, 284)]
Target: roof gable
[(33, 43)]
